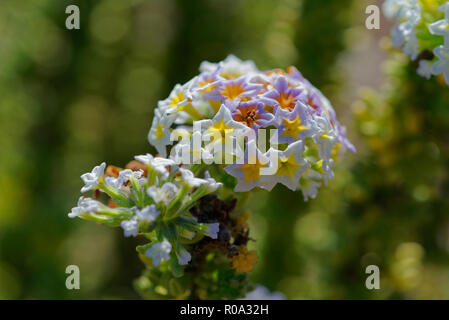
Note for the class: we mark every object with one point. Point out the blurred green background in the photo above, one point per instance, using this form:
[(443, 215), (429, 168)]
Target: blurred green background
[(70, 99)]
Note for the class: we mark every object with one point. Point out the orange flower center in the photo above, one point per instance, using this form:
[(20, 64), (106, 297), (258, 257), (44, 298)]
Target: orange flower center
[(247, 116), (232, 91), (286, 101)]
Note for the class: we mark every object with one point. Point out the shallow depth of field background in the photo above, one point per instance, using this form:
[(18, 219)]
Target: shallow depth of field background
[(72, 99)]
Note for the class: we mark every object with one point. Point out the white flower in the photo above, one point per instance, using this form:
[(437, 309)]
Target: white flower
[(160, 251), (189, 151), (85, 205), (184, 256), (189, 178), (442, 65), (128, 174), (290, 165), (327, 173), (130, 228), (326, 138), (184, 153), (408, 13), (212, 185), (123, 177), (164, 194), (441, 27), (251, 172), (160, 164), (179, 102), (410, 10), (76, 212), (398, 8), (222, 129), (212, 229), (309, 186), (148, 213), (145, 158), (116, 183), (390, 8), (90, 179), (232, 67), (159, 135), (157, 163), (293, 125), (262, 293), (177, 97), (424, 69), (404, 35), (310, 189)]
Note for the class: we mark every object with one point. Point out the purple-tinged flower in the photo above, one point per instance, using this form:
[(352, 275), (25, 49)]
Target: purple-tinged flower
[(158, 252), (130, 228), (262, 293), (290, 164), (213, 229), (286, 96), (249, 172), (236, 100), (314, 99), (149, 213), (295, 125), (295, 74), (232, 67), (441, 27), (252, 114), (208, 81), (442, 65), (229, 90), (341, 135), (425, 69), (326, 140), (184, 256), (222, 129)]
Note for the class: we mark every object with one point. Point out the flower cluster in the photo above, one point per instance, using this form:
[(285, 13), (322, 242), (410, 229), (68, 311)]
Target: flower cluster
[(152, 197), (422, 32), (268, 127)]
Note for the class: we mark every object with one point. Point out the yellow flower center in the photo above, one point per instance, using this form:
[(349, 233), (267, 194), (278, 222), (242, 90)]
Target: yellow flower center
[(251, 171), (159, 131), (287, 166), (221, 127), (206, 82), (177, 99), (293, 127), (286, 101)]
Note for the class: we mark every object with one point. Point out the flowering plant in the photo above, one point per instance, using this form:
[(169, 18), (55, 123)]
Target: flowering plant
[(422, 32), (269, 127), (175, 211), (196, 240)]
